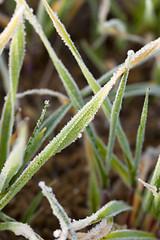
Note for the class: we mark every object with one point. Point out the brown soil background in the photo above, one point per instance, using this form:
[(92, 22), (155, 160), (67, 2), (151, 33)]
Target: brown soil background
[(70, 168)]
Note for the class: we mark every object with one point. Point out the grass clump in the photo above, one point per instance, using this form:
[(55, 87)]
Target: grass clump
[(19, 161)]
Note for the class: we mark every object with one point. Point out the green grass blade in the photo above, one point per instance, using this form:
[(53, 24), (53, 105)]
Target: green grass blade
[(15, 62), (30, 213), (155, 181), (6, 129), (59, 212), (44, 131), (10, 29), (6, 218), (115, 113), (94, 193), (129, 234), (140, 135), (67, 135), (15, 158), (16, 57)]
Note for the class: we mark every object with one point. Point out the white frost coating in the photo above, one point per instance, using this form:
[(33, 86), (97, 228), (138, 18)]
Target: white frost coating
[(57, 233), (59, 212), (97, 232), (153, 189), (25, 231), (11, 27), (42, 91), (130, 55)]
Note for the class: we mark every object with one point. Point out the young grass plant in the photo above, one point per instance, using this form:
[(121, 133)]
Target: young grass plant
[(16, 166)]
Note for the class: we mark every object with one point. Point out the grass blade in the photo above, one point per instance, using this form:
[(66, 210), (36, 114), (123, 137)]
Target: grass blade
[(6, 129), (10, 29), (59, 212), (140, 135), (129, 234), (115, 112), (108, 211), (15, 59), (15, 158)]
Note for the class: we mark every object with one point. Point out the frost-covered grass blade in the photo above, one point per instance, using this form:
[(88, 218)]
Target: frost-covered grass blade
[(15, 158), (115, 112), (129, 234), (140, 135), (20, 229), (10, 29), (59, 212)]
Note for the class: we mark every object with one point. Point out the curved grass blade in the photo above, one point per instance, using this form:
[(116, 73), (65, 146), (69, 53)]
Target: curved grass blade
[(140, 135), (129, 234), (10, 29), (4, 73), (59, 212), (115, 112), (68, 134), (20, 229), (108, 211), (15, 158)]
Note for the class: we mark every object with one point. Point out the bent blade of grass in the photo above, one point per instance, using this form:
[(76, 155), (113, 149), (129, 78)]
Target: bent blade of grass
[(59, 212), (67, 135), (20, 229), (108, 211), (15, 158), (10, 29), (115, 112), (140, 135), (129, 234)]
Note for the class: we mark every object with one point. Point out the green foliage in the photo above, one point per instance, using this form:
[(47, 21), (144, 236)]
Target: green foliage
[(16, 163)]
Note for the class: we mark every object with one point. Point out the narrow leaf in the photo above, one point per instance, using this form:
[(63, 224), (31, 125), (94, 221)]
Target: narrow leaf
[(109, 210), (129, 234), (140, 134), (59, 212), (6, 129), (16, 57), (14, 160), (10, 29), (115, 112)]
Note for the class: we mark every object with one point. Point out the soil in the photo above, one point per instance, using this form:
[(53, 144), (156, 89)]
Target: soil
[(70, 169)]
